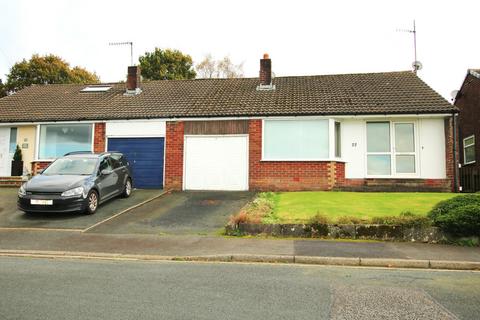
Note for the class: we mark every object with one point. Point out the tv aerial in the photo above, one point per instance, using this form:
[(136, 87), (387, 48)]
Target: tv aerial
[(416, 65), (127, 43)]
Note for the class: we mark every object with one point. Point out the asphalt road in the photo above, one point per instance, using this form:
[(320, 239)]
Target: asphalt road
[(96, 289)]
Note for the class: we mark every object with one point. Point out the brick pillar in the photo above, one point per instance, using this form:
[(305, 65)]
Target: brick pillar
[(450, 159), (99, 137), (174, 155)]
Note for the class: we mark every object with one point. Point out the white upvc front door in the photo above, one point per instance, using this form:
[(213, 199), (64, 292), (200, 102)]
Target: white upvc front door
[(5, 160)]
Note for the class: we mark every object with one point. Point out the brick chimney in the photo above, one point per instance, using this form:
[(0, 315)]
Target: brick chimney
[(133, 80), (265, 70), (265, 74)]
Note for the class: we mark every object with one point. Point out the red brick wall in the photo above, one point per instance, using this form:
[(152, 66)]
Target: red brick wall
[(288, 175), (451, 167), (99, 137), (174, 155), (37, 166)]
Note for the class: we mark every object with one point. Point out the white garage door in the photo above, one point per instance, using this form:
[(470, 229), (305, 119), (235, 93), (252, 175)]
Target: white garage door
[(216, 163)]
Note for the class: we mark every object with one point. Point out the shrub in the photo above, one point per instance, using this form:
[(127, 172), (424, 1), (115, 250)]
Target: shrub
[(319, 219), (405, 218), (459, 216), (17, 156), (255, 211), (350, 220)]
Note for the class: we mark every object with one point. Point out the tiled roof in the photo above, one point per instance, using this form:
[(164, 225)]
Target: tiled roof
[(346, 94)]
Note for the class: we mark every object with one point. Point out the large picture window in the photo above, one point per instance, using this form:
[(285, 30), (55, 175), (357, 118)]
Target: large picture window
[(295, 140), (57, 139), (469, 150), (391, 149)]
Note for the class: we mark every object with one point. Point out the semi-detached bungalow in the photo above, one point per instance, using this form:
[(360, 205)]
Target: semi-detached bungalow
[(375, 131)]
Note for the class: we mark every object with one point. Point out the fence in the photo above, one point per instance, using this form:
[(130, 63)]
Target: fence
[(469, 179)]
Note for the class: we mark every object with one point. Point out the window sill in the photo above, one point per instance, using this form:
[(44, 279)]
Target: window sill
[(43, 160), (394, 177)]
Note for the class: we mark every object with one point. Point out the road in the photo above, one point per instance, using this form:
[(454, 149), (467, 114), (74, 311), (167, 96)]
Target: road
[(34, 288)]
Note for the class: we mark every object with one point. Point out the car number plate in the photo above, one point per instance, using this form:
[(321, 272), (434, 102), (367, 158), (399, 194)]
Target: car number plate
[(41, 202)]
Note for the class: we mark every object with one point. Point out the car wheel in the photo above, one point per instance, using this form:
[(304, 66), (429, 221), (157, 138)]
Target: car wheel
[(92, 202), (127, 190)]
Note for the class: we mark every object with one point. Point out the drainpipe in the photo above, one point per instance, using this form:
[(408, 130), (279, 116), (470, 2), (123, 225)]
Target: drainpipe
[(455, 165)]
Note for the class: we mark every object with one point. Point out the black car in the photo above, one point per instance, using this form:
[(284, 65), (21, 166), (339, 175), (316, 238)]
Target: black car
[(78, 181)]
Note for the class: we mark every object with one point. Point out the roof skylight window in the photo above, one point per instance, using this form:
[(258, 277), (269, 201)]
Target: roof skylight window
[(96, 89)]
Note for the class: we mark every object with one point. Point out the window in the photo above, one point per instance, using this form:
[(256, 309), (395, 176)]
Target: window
[(295, 140), (58, 139), (104, 165), (469, 150), (96, 89), (387, 156), (338, 140), (13, 140)]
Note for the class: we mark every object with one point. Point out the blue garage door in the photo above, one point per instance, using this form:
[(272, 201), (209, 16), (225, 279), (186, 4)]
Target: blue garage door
[(146, 159)]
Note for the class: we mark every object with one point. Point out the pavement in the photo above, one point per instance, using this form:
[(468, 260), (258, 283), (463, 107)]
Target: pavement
[(95, 289)]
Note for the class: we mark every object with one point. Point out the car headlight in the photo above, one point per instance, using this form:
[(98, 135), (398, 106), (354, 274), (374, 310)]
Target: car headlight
[(21, 191), (73, 192)]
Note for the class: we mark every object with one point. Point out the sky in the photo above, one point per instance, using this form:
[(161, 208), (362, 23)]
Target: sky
[(302, 37)]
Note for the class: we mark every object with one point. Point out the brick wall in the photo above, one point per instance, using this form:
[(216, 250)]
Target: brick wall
[(174, 155), (37, 166), (99, 137), (288, 175)]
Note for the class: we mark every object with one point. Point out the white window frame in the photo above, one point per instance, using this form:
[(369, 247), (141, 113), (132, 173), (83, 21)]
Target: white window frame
[(393, 153), (37, 140), (331, 141), (466, 146)]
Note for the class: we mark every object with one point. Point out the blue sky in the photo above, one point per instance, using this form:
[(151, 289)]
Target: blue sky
[(302, 37)]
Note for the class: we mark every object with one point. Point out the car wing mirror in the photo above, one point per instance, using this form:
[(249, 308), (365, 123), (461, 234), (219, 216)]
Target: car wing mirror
[(106, 172)]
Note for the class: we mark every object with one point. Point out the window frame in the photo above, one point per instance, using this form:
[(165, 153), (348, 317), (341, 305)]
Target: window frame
[(393, 153), (329, 138), (468, 146), (38, 132)]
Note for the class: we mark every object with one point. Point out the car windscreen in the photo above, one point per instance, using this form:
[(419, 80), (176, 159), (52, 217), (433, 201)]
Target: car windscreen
[(69, 166)]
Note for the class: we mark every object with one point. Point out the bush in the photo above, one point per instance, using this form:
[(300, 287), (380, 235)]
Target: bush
[(254, 212), (350, 220), (319, 219), (459, 216), (406, 219)]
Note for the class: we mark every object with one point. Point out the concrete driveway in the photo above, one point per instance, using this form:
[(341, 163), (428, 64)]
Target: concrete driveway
[(10, 217), (201, 212)]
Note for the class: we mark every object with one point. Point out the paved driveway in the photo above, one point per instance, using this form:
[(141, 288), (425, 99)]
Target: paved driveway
[(10, 217), (201, 212)]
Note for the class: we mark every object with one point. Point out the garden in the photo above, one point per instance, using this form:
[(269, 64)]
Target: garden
[(451, 214)]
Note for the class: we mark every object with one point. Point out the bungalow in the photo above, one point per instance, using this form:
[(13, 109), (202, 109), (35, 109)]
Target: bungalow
[(373, 131)]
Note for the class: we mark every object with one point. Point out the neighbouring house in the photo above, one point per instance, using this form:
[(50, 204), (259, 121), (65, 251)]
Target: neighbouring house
[(467, 100), (375, 131)]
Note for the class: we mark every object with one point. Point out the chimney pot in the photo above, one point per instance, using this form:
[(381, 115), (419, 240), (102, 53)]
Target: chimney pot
[(266, 56)]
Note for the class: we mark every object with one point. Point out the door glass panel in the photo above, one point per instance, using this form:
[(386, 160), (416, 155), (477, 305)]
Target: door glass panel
[(405, 163), (13, 140), (378, 164), (404, 141), (378, 137)]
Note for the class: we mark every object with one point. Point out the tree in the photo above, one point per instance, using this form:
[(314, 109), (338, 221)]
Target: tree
[(166, 64), (48, 69), (224, 68), (3, 90)]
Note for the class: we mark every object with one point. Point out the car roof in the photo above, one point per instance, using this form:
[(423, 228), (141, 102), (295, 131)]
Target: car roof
[(88, 154)]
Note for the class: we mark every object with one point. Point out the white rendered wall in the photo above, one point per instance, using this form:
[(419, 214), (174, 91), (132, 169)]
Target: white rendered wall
[(430, 137), (133, 128)]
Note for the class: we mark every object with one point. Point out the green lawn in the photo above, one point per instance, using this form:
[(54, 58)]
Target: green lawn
[(293, 207)]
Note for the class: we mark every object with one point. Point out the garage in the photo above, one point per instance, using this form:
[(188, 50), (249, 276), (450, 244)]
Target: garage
[(216, 162), (143, 143)]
